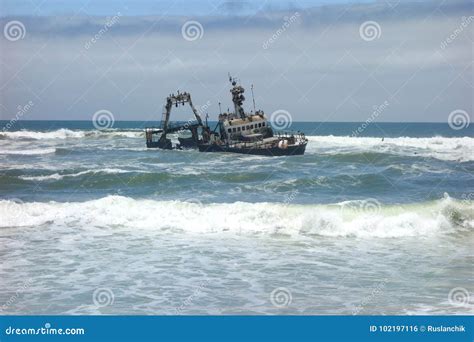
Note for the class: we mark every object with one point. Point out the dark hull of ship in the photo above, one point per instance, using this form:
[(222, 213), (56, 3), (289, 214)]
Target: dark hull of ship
[(291, 150)]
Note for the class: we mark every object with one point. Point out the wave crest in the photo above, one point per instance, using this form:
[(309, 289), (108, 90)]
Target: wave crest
[(445, 216), (451, 149), (26, 152), (65, 133)]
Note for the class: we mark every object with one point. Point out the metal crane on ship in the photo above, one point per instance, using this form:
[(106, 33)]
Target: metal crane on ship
[(166, 128)]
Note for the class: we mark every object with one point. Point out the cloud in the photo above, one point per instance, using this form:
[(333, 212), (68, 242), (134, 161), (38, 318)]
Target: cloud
[(316, 66)]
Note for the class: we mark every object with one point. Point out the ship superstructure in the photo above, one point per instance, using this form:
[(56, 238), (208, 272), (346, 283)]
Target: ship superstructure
[(236, 132)]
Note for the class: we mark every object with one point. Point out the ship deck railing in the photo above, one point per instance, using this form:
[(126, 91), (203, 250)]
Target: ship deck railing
[(285, 134), (266, 143)]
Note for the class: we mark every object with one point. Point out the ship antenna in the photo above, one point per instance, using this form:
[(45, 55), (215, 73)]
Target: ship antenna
[(220, 110), (253, 98)]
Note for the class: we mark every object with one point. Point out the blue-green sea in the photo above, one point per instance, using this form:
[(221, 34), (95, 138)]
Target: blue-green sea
[(372, 220)]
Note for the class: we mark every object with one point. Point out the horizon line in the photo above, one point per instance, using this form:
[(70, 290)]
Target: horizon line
[(90, 120)]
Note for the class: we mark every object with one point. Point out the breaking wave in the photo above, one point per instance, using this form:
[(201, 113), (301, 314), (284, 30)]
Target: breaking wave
[(346, 219), (57, 176), (64, 133), (451, 149), (29, 152)]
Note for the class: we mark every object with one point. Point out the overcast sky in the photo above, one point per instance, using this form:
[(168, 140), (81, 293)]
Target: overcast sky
[(313, 59)]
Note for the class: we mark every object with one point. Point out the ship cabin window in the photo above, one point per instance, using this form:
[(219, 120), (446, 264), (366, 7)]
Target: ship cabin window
[(234, 129), (263, 123), (259, 124), (229, 130), (251, 126)]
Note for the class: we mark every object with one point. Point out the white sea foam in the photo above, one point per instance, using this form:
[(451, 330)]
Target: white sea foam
[(27, 152), (455, 149), (64, 133), (444, 216), (57, 176)]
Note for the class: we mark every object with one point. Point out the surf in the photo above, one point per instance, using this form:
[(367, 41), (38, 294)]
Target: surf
[(358, 219), (65, 133), (448, 149)]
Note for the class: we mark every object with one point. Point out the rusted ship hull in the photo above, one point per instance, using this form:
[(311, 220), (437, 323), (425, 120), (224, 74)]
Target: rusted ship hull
[(268, 151)]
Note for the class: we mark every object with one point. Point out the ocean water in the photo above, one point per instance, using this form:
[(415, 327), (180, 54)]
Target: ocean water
[(93, 222)]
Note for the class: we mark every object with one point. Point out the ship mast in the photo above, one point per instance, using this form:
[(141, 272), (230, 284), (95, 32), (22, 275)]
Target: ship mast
[(237, 97), (253, 98)]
